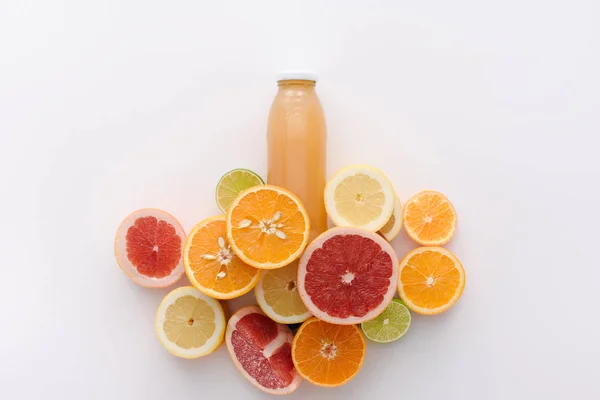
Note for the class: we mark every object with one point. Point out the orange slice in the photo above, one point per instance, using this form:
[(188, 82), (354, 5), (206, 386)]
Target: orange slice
[(431, 280), (326, 354), (429, 218), (267, 227), (210, 264)]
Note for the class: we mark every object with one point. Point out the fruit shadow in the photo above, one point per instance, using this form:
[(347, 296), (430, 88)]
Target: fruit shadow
[(233, 305), (216, 367), (427, 337), (402, 244)]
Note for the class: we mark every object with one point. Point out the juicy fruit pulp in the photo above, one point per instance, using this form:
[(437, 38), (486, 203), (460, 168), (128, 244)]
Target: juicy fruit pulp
[(429, 218), (190, 324), (261, 349), (277, 295), (390, 325), (360, 196), (210, 264), (297, 148), (181, 318), (267, 227), (148, 248), (431, 280), (153, 247), (233, 183), (347, 275), (327, 354)]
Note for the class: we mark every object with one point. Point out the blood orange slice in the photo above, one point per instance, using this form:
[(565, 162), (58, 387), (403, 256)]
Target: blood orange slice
[(148, 248), (262, 350), (347, 276)]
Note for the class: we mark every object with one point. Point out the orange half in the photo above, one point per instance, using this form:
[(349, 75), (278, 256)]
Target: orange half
[(429, 218), (210, 264), (267, 227), (431, 280), (326, 354)]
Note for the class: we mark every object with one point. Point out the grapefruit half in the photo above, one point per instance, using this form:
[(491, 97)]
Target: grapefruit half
[(347, 276), (148, 247), (262, 350)]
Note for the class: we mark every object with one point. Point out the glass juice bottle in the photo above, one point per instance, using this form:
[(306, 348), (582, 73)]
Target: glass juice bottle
[(297, 144)]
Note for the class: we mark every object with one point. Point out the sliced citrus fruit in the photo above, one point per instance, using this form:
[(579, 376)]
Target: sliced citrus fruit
[(189, 324), (233, 183), (391, 229), (360, 196), (326, 354), (431, 280), (148, 247), (278, 297), (210, 264), (267, 227), (347, 276), (390, 325), (261, 350), (429, 218)]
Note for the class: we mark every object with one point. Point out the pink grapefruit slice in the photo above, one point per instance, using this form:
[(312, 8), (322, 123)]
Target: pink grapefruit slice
[(262, 350), (148, 247), (347, 276)]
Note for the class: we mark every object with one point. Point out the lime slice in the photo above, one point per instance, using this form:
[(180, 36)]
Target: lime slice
[(233, 183), (390, 325)]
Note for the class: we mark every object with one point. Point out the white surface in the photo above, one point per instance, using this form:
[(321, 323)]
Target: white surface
[(109, 106)]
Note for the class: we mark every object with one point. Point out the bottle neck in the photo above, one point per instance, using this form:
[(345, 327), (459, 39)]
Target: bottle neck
[(296, 83)]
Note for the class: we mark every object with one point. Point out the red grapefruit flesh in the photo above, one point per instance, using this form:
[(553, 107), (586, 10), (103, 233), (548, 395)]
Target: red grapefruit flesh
[(148, 247), (262, 350), (347, 276)]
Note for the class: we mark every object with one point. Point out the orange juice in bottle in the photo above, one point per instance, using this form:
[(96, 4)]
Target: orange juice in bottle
[(297, 144)]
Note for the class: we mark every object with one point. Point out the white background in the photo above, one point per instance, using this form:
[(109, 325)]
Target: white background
[(109, 106)]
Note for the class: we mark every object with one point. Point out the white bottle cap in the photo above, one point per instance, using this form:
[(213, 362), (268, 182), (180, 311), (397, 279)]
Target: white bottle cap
[(297, 75)]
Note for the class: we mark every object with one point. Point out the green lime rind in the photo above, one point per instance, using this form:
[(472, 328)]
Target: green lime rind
[(233, 183), (398, 321)]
